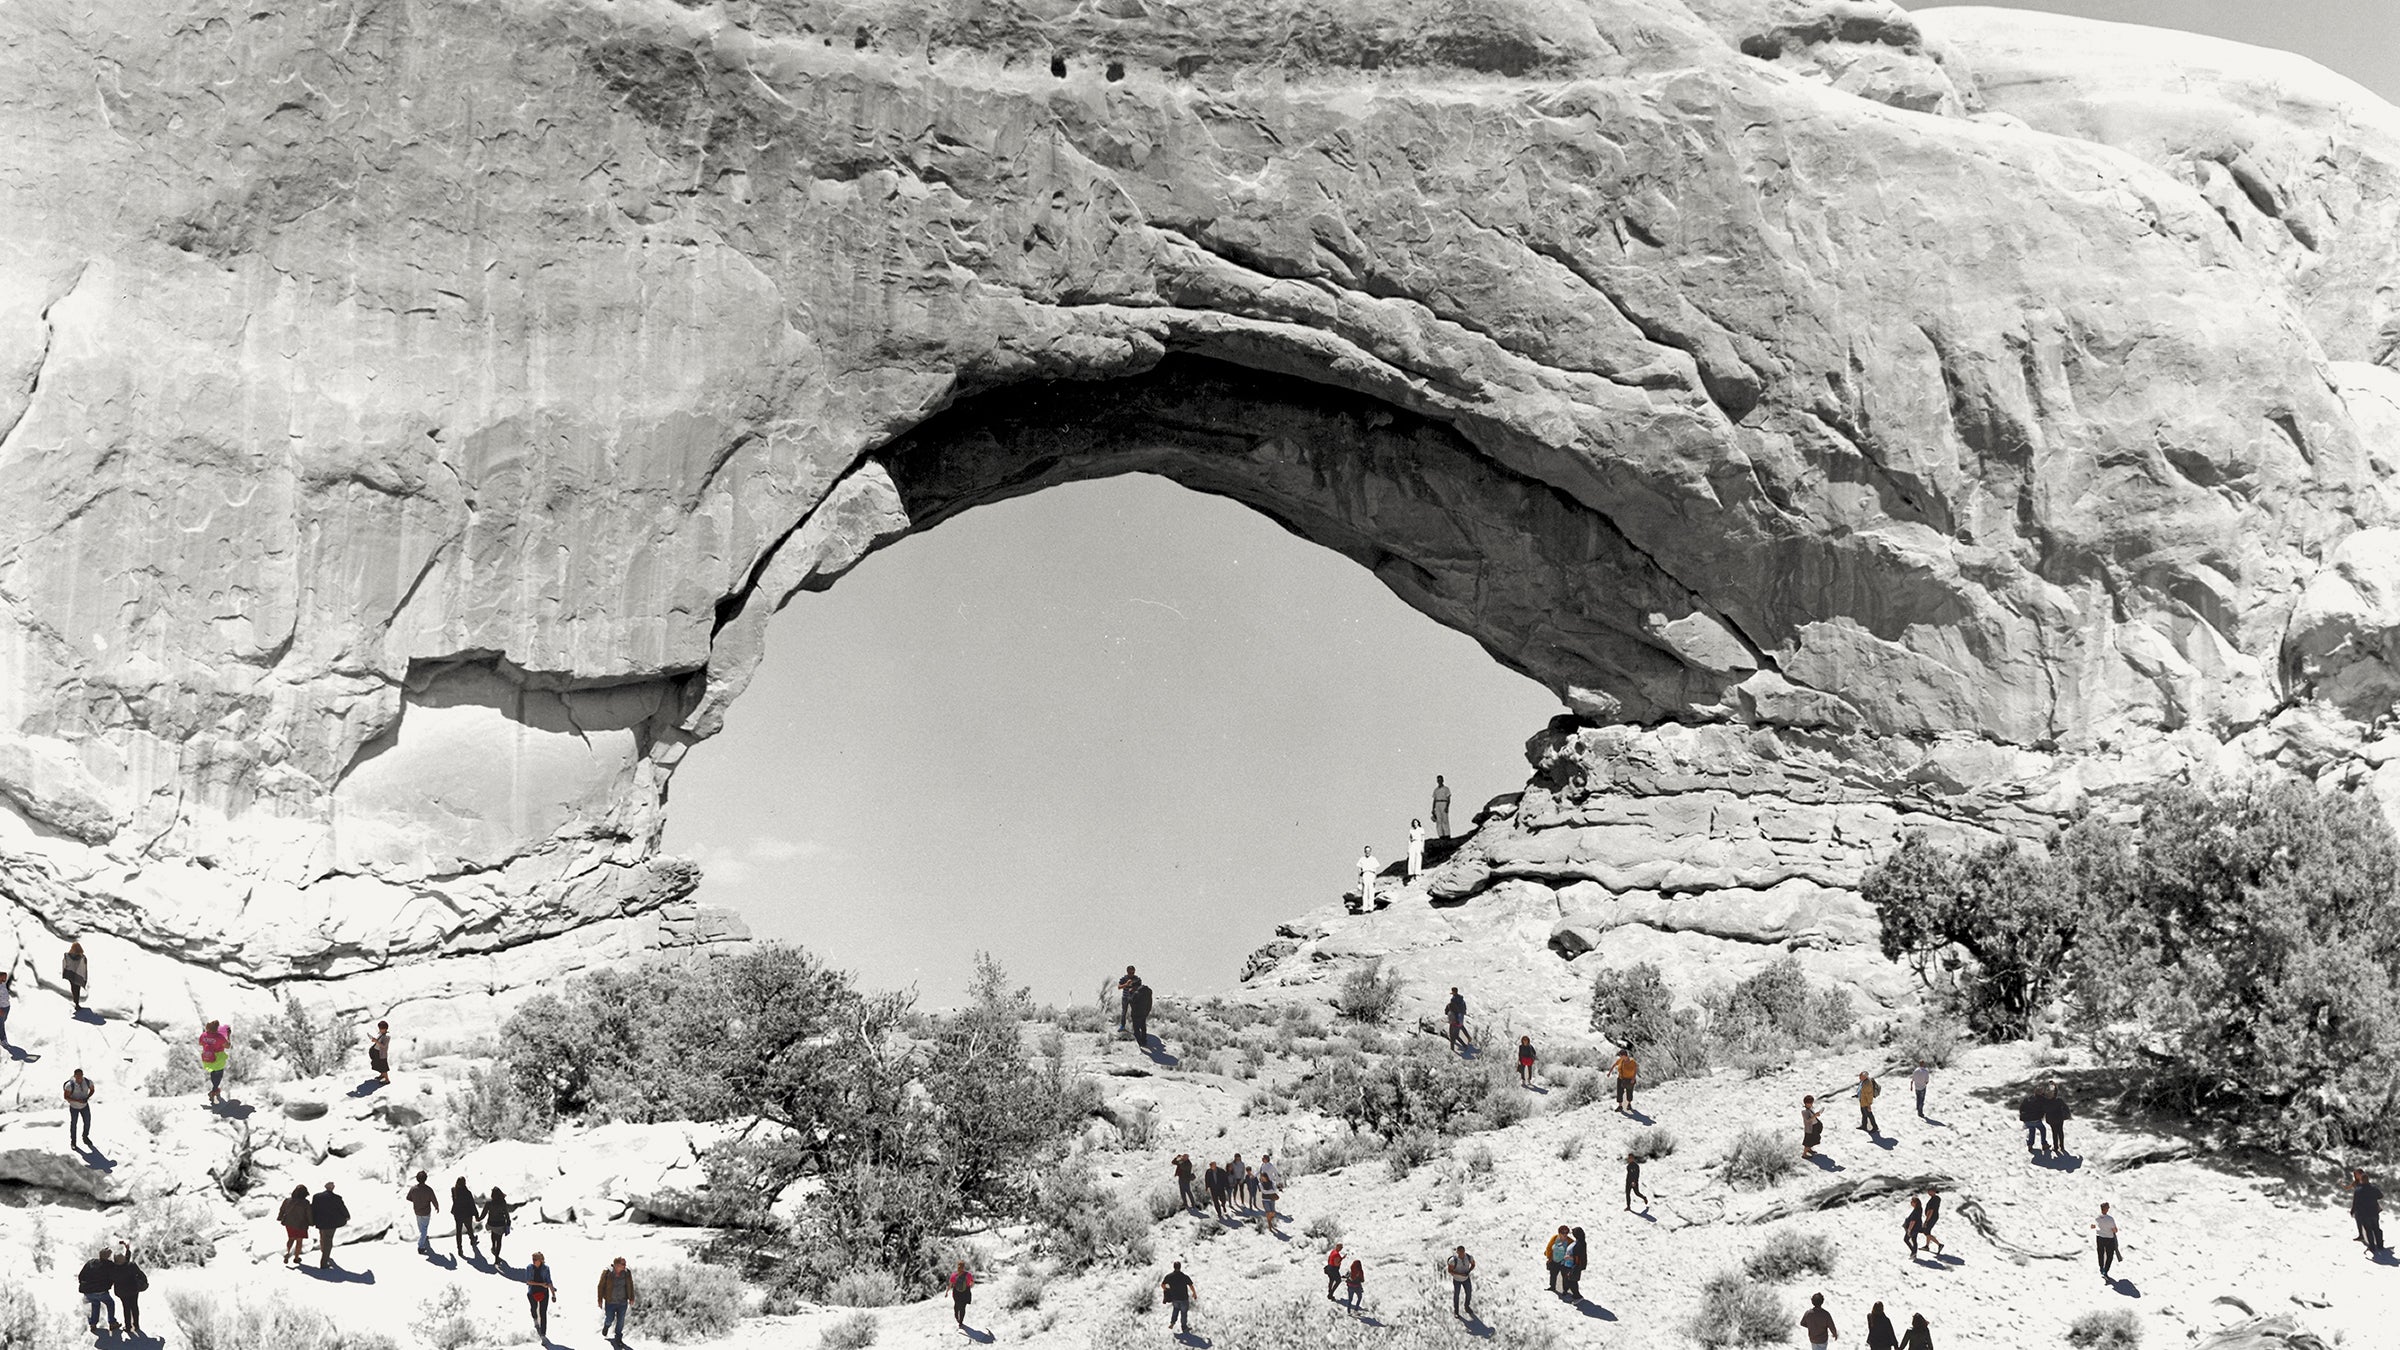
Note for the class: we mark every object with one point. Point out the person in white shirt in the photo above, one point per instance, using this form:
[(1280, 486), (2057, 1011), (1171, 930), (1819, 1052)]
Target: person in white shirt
[(2106, 1227), (1367, 868), (1919, 1081), (1416, 848)]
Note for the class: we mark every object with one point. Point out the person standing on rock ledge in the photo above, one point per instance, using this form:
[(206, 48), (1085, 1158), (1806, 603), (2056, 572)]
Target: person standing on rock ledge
[(76, 969), (1137, 1004), (1441, 808), (1125, 987), (1367, 868), (5, 998), (216, 1056), (1416, 849), (379, 1052), (79, 1107)]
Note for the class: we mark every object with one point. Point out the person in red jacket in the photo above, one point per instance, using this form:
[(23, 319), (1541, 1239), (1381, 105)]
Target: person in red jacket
[(962, 1292)]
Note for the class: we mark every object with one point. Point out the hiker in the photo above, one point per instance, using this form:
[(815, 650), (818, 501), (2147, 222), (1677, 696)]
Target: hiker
[(1554, 1255), (1333, 1270), (1868, 1091), (1214, 1181), (498, 1214), (294, 1214), (1416, 848), (1817, 1322), (1125, 987), (1933, 1215), (1462, 1280), (79, 1108), (1913, 1225), (1137, 1005), (540, 1288), (1918, 1082), (2106, 1249), (962, 1292), (216, 1056), (2366, 1206), (1579, 1255), (97, 1282), (1270, 1177), (1456, 1011), (131, 1281), (1812, 1127), (1183, 1179), (1633, 1181), (1367, 868), (379, 1052), (1237, 1180), (463, 1214), (1920, 1336), (327, 1213), (1269, 1196), (2054, 1117), (5, 997), (76, 969), (421, 1201), (1525, 1060), (2029, 1114), (1354, 1283), (1626, 1068), (1177, 1290), (616, 1300), (1441, 807), (1879, 1330)]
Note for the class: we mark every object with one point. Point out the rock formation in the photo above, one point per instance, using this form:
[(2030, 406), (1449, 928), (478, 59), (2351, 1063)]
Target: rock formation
[(413, 411)]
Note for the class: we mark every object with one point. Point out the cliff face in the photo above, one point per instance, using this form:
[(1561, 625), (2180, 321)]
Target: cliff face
[(412, 411)]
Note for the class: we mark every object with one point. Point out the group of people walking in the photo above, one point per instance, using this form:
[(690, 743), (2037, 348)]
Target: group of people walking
[(1819, 1327), (1233, 1187)]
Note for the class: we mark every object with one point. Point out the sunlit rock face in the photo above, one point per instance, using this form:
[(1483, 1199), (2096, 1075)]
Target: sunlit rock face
[(412, 412)]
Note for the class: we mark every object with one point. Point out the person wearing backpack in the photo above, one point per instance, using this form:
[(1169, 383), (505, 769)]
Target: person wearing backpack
[(962, 1293), (1868, 1091), (1137, 1006), (540, 1289), (79, 1108), (130, 1282), (1461, 1269)]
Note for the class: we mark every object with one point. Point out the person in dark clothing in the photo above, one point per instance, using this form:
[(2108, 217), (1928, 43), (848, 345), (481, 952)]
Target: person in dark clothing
[(463, 1214), (2366, 1206), (1333, 1272), (1441, 808), (2054, 1117), (1912, 1226), (1880, 1335), (1177, 1288), (1216, 1187), (1525, 1060), (421, 1201), (540, 1290), (1579, 1255), (962, 1293), (497, 1213), (328, 1214), (1920, 1336), (2029, 1114), (1125, 987), (97, 1282), (130, 1282), (1137, 1006), (294, 1215), (1817, 1322), (616, 1300), (1633, 1182), (1933, 1215), (1455, 1014), (1183, 1179), (379, 1052)]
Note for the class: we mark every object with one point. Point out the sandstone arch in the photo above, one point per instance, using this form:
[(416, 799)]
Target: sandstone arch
[(411, 410)]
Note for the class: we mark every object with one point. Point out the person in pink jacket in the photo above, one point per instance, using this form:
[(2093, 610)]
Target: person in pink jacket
[(216, 1056)]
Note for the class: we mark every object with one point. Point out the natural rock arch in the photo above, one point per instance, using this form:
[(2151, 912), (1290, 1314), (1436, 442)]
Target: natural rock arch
[(398, 478)]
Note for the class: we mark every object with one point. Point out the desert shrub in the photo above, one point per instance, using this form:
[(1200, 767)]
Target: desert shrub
[(1790, 1254), (1479, 1161), (1734, 1310), (1079, 1223), (1633, 1007), (688, 1301), (2247, 947), (153, 1120), (2108, 1329), (1421, 1322), (1652, 1144), (489, 1108), (180, 1074), (301, 1041), (1324, 1230), (1504, 1106), (1424, 1089), (1024, 1290), (1164, 1203), (1409, 1151), (1777, 1004), (1757, 1158), (247, 1324), (165, 1234), (446, 1322), (868, 1218), (1369, 996), (869, 1287), (1587, 1089), (1137, 1128), (855, 1332), (1570, 1148), (1930, 1037), (1986, 930), (25, 1325)]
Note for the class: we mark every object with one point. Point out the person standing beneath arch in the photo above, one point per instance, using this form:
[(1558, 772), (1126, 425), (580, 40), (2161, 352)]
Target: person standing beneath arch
[(76, 969), (6, 997), (1441, 808), (1367, 868), (1416, 849)]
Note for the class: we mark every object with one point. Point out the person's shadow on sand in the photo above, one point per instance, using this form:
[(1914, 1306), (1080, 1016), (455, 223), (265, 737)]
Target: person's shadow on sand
[(1825, 1163), (94, 1159), (22, 1055), (2126, 1287), (369, 1088), (979, 1337), (2059, 1162), (91, 1018), (338, 1275), (233, 1110), (1591, 1309)]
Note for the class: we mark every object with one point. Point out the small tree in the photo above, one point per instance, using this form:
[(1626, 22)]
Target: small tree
[(2004, 909), (1368, 995), (1633, 1007)]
